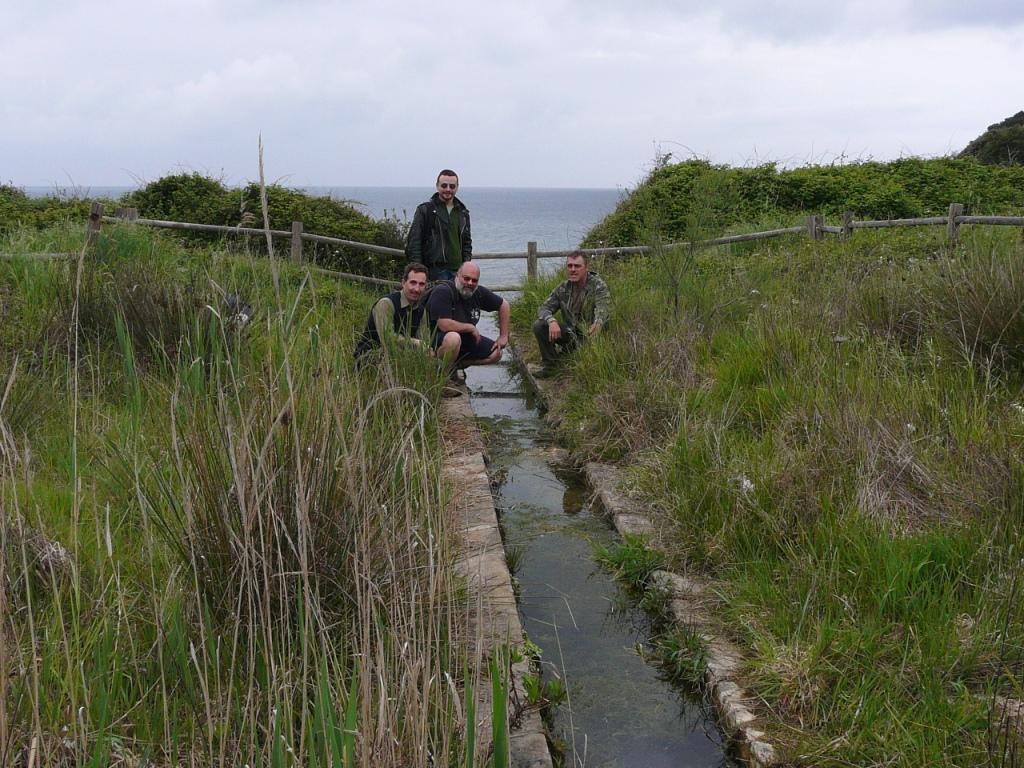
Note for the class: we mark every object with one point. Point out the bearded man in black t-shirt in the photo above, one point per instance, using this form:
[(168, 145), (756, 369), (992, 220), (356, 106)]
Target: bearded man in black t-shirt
[(454, 309)]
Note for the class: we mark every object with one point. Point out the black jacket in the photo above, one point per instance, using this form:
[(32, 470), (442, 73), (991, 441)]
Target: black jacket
[(428, 236)]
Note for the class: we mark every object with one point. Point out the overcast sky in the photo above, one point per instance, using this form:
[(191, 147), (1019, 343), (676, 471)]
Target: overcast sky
[(558, 93)]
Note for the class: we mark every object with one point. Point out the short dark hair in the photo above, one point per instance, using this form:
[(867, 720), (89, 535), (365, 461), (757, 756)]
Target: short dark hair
[(578, 254), (446, 172), (413, 267)]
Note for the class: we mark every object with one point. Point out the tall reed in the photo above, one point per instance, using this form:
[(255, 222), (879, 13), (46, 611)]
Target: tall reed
[(254, 566)]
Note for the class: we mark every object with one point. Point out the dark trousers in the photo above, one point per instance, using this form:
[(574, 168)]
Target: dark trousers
[(551, 351), (435, 274)]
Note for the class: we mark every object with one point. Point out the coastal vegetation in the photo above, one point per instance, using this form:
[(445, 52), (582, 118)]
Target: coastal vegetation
[(765, 196), (1001, 144), (219, 543), (195, 198), (832, 434)]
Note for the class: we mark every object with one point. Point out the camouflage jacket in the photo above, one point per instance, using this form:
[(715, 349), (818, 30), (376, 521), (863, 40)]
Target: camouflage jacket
[(579, 312)]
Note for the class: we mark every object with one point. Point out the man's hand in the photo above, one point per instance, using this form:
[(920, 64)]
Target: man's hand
[(475, 331), (593, 330), (500, 343), (554, 331)]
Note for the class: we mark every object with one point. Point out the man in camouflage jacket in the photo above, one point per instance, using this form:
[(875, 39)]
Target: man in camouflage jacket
[(584, 301)]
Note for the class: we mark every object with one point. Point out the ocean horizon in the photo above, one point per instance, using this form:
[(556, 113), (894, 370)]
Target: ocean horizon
[(503, 218)]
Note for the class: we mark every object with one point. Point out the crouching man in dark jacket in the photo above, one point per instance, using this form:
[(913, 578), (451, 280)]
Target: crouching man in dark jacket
[(440, 235), (584, 302), (454, 308), (398, 315)]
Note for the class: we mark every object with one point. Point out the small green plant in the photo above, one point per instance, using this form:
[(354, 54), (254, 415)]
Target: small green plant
[(631, 560), (533, 686), (499, 672), (544, 694), (514, 554), (655, 601), (555, 692), (682, 654)]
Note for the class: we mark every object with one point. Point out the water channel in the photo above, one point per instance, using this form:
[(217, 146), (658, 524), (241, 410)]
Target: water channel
[(592, 635)]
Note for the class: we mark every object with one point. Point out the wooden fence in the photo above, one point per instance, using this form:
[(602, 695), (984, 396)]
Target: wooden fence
[(814, 227)]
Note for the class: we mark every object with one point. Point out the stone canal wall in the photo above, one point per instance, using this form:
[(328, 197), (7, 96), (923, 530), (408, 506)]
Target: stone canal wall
[(494, 617)]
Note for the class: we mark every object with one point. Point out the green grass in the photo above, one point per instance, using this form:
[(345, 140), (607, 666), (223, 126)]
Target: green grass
[(220, 544), (832, 434)]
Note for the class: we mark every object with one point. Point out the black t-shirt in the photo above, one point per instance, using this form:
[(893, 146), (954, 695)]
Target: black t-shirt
[(445, 302)]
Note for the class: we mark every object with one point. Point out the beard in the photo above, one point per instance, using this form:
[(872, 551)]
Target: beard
[(464, 290)]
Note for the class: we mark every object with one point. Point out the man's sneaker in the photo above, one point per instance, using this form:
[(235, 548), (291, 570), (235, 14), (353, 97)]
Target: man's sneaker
[(455, 388), (546, 372)]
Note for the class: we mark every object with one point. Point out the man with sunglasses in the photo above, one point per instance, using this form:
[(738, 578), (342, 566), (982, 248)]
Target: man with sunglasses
[(584, 302), (440, 236)]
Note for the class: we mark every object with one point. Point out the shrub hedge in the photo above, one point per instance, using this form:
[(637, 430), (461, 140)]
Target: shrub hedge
[(199, 199), (772, 196)]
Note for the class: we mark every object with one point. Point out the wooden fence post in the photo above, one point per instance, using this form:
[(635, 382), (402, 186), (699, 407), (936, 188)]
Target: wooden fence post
[(296, 241), (953, 227), (847, 224), (531, 260), (95, 222), (814, 227), (132, 213)]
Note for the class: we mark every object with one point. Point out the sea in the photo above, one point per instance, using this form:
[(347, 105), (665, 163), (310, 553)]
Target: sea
[(503, 218)]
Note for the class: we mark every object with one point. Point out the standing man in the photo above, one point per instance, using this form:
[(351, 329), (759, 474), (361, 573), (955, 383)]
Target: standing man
[(398, 315), (584, 301), (440, 236), (454, 308)]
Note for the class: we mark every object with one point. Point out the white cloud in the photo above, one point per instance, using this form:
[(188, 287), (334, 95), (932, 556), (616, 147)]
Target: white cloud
[(531, 93)]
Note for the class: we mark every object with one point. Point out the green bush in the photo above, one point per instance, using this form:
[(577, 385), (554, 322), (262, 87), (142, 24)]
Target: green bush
[(1001, 144), (186, 197), (19, 211), (764, 195), (192, 197), (201, 200)]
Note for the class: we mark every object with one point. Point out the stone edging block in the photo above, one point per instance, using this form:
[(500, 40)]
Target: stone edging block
[(482, 563), (688, 605)]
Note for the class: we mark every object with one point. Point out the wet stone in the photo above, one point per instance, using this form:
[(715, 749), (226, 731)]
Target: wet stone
[(676, 585)]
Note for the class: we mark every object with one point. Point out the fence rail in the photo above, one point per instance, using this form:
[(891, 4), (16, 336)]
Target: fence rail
[(38, 256), (814, 227)]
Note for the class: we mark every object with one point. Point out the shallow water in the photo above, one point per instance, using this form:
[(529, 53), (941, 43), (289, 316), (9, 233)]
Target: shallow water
[(591, 633)]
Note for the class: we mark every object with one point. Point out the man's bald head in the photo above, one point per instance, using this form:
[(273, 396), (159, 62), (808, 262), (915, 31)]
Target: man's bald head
[(467, 279)]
